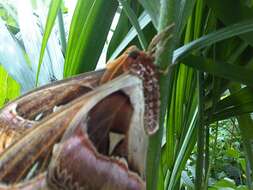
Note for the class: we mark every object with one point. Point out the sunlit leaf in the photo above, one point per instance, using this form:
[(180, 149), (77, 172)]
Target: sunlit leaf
[(52, 13), (13, 60), (9, 88), (88, 34)]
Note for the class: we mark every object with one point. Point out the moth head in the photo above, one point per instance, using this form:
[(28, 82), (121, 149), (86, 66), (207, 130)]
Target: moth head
[(140, 64)]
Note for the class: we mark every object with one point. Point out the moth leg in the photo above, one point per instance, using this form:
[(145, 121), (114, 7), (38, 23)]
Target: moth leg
[(165, 35)]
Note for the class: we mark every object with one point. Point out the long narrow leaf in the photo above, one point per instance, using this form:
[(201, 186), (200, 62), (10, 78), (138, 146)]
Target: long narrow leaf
[(3, 85), (9, 88), (181, 159), (133, 19), (52, 13), (62, 31), (144, 20), (152, 7), (205, 41), (88, 34), (244, 95), (31, 34), (225, 70), (225, 11)]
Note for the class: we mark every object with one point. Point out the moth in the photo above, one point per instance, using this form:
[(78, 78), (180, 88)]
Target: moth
[(88, 132)]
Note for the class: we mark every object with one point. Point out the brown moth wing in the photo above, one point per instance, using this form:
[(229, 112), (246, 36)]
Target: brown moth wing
[(19, 157), (33, 144), (99, 172), (19, 115), (111, 116), (38, 183), (110, 100), (28, 147)]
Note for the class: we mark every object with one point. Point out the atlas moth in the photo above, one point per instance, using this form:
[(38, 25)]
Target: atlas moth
[(87, 132)]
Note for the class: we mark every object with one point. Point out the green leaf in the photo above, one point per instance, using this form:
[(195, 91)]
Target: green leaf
[(88, 32), (3, 85), (225, 10), (62, 32), (225, 183), (185, 9), (119, 33), (31, 34), (241, 187), (245, 124), (133, 19), (242, 96), (184, 151), (120, 43), (243, 164), (231, 152), (13, 60), (231, 112), (52, 13), (238, 103), (212, 38), (153, 9), (9, 88), (225, 70)]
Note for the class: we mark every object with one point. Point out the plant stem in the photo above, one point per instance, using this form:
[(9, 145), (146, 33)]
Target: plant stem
[(163, 61), (201, 136)]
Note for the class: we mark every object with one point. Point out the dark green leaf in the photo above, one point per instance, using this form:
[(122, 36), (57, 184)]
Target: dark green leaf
[(225, 70), (212, 38), (152, 7), (133, 19), (225, 10), (88, 34)]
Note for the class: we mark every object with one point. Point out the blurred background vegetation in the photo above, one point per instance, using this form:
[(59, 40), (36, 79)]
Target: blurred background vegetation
[(205, 139)]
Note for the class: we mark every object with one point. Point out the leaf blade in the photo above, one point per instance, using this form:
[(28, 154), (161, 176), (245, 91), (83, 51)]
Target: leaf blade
[(52, 13)]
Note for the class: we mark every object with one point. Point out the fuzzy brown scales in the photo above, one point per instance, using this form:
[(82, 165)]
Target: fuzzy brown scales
[(143, 67), (140, 63)]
